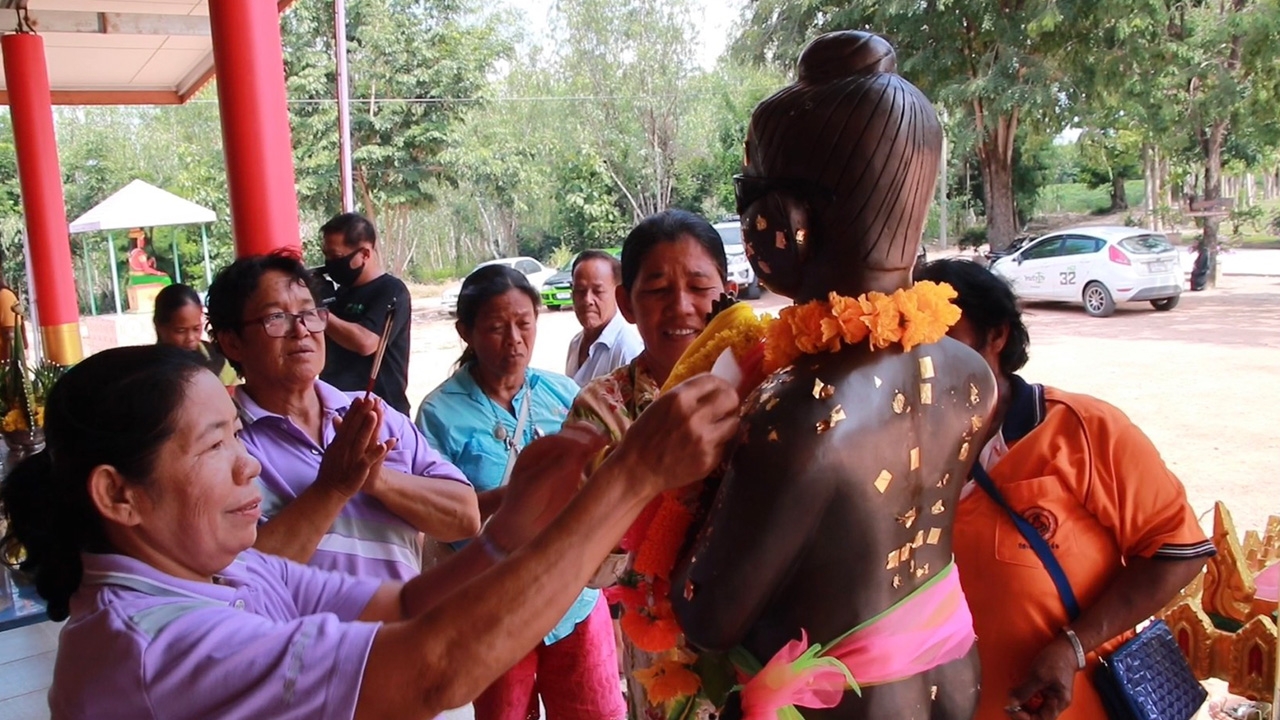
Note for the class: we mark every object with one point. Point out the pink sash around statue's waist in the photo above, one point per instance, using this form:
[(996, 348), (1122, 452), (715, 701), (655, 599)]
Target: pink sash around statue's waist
[(930, 627)]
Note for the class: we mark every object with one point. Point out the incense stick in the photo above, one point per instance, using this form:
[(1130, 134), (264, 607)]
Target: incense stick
[(382, 348)]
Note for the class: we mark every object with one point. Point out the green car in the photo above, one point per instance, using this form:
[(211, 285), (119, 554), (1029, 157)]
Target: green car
[(557, 291)]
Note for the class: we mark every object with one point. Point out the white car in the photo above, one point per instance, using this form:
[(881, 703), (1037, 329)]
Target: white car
[(740, 270), (1096, 266), (530, 268)]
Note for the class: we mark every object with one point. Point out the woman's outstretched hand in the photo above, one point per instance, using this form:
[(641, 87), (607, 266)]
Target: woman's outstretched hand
[(682, 437)]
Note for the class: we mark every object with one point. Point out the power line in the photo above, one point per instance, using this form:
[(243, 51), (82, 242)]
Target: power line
[(439, 100)]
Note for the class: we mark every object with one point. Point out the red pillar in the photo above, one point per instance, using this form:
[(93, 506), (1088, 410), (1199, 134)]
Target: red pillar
[(255, 124), (40, 179)]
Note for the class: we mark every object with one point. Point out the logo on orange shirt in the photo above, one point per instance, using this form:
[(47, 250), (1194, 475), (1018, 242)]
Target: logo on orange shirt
[(1044, 521)]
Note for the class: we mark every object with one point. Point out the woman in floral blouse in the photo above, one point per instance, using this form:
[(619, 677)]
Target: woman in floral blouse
[(673, 270)]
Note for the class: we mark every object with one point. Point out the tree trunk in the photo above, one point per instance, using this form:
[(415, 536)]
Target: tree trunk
[(1250, 190), (1202, 275), (943, 190), (995, 152), (1002, 221), (1149, 187), (1119, 201)]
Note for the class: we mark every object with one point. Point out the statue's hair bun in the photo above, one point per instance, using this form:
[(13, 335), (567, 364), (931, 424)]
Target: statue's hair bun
[(848, 54)]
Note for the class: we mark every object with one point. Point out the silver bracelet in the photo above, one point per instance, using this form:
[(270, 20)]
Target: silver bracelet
[(1075, 643)]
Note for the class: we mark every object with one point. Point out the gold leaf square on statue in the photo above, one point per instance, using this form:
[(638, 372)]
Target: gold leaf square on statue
[(926, 367), (915, 458), (893, 561), (773, 435), (975, 422), (761, 223), (935, 534), (964, 451), (882, 481), (974, 398), (899, 403), (919, 539), (926, 394), (938, 508), (897, 581), (780, 240)]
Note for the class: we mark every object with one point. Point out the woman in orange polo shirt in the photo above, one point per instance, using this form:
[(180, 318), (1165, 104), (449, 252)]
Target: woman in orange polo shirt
[(1097, 490)]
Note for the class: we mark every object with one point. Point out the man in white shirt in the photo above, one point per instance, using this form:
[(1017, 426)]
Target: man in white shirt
[(607, 341)]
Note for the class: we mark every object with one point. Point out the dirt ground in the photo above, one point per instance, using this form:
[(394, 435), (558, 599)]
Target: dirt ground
[(1203, 381)]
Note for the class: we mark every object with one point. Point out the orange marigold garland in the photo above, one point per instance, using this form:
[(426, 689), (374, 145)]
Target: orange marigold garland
[(657, 555), (913, 316)]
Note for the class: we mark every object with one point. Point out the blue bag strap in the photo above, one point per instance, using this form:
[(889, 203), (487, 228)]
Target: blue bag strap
[(1033, 538)]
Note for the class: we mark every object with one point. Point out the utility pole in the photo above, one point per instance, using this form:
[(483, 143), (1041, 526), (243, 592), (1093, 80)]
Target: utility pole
[(344, 104)]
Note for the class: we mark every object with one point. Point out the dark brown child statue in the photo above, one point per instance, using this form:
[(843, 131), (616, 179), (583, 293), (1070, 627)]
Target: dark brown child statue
[(833, 522)]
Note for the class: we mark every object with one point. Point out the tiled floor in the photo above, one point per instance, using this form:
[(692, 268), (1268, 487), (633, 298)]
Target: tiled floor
[(26, 667)]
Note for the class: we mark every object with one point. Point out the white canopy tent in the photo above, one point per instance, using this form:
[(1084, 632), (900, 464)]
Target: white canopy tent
[(140, 205)]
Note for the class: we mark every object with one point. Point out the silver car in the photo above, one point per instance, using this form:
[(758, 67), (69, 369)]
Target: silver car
[(740, 270)]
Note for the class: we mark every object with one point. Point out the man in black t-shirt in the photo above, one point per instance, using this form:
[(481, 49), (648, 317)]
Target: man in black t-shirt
[(358, 313)]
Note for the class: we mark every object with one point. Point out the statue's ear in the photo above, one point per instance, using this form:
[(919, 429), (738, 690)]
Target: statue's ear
[(775, 231)]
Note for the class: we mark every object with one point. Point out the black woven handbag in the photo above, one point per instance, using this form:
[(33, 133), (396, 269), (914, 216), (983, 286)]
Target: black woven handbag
[(1148, 679)]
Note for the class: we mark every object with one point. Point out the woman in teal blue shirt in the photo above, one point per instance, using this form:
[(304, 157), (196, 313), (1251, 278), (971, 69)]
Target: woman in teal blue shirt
[(492, 406)]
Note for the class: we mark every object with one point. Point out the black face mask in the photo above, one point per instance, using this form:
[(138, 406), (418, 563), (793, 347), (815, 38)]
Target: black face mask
[(340, 271)]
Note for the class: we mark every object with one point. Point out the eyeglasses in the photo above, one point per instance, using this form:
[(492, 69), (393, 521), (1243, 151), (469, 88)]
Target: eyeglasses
[(279, 324), (749, 189)]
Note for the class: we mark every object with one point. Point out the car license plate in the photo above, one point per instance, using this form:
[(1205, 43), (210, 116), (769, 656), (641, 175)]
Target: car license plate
[(1158, 267), (562, 296)]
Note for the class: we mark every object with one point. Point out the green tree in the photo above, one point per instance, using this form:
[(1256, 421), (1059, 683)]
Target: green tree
[(1196, 75), (992, 62), (631, 63), (415, 66), (1107, 158)]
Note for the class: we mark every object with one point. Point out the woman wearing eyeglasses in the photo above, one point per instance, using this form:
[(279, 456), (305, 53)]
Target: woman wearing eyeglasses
[(317, 506)]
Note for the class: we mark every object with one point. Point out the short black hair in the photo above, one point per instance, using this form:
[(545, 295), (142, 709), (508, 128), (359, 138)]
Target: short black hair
[(987, 302), (588, 255), (172, 299), (235, 283), (669, 226), (353, 227)]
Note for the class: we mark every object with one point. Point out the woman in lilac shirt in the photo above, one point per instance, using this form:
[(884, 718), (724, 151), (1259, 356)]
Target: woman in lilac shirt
[(137, 522)]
